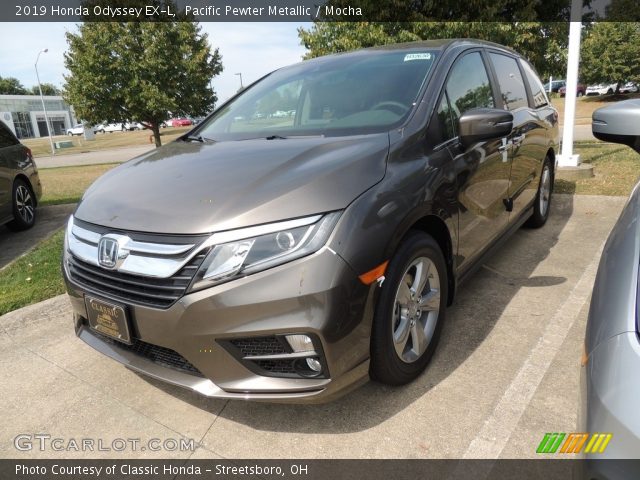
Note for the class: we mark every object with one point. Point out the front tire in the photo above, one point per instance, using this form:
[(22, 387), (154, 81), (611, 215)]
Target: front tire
[(542, 203), (24, 207), (410, 312)]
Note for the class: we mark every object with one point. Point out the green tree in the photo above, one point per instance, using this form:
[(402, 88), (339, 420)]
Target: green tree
[(11, 86), (544, 44), (47, 89), (140, 71), (610, 53)]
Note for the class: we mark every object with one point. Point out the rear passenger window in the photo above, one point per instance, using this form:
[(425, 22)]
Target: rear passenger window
[(512, 89), (467, 87), (6, 137), (537, 89)]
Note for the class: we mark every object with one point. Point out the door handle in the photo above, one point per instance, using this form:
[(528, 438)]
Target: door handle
[(518, 139)]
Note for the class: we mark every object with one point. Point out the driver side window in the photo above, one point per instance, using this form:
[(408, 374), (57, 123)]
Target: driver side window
[(467, 87)]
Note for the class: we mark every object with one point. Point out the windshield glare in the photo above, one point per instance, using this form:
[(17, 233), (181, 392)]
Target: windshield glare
[(346, 95)]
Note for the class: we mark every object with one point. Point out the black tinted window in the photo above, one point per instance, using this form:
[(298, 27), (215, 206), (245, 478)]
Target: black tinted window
[(445, 119), (6, 137), (512, 89), (467, 87), (537, 89)]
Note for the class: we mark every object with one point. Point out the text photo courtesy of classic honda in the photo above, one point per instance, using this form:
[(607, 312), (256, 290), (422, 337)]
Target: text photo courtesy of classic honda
[(311, 232)]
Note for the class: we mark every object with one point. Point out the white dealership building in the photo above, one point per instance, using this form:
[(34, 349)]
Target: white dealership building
[(25, 116)]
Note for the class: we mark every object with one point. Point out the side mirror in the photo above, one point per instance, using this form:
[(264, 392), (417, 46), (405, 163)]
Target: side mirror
[(618, 123), (480, 124)]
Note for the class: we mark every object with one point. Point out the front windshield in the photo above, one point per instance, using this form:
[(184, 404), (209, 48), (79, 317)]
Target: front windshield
[(353, 94)]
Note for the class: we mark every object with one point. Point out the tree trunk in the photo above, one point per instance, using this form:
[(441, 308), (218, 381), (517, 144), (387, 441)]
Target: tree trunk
[(156, 135)]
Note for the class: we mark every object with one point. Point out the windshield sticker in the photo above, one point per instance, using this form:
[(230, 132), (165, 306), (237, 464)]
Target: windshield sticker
[(417, 56)]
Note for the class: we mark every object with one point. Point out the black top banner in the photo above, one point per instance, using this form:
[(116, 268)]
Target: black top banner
[(316, 10)]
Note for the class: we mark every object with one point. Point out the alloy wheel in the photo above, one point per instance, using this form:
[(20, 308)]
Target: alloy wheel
[(545, 190), (25, 204), (416, 309)]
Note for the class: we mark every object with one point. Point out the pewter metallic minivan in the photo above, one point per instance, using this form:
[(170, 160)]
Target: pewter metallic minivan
[(311, 232)]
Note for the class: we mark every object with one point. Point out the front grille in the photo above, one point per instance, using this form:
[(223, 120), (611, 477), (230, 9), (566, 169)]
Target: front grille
[(160, 355), (154, 292), (251, 347)]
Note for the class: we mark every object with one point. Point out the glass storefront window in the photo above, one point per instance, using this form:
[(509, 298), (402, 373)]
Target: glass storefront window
[(22, 124)]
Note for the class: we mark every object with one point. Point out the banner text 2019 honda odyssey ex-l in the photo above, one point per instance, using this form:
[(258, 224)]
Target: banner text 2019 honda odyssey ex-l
[(311, 232)]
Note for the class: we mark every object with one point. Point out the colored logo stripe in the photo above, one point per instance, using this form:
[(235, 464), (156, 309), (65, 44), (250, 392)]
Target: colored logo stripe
[(598, 443), (550, 443), (574, 443)]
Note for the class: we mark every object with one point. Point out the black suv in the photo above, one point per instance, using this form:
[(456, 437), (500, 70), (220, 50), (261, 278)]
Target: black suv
[(20, 187), (312, 231)]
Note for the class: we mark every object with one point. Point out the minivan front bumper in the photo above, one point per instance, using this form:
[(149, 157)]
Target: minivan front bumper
[(188, 344)]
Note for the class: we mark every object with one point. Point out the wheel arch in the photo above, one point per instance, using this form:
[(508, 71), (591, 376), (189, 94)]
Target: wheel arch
[(436, 227), (552, 155), (25, 179)]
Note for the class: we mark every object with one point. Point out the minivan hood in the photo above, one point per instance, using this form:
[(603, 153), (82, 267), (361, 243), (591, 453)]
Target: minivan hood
[(191, 188)]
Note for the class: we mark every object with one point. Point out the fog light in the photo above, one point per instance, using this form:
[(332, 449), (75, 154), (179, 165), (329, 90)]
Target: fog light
[(314, 364), (300, 343)]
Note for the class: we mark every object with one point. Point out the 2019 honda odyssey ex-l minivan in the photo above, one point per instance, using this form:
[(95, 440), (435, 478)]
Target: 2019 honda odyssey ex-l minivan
[(289, 257)]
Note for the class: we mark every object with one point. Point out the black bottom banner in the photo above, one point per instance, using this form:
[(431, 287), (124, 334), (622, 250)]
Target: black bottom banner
[(321, 469)]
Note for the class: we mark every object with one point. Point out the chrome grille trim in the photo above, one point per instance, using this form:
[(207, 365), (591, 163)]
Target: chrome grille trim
[(146, 259), (93, 238)]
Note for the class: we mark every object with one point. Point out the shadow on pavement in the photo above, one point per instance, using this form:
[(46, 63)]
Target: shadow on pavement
[(48, 219)]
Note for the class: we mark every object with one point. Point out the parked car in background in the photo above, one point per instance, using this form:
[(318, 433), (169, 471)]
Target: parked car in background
[(629, 87), (308, 254), (611, 361), (133, 126), (556, 85), (581, 90), (77, 129), (601, 89), (181, 122), (110, 128), (20, 188)]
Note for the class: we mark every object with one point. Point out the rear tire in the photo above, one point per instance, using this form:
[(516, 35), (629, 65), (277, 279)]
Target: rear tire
[(410, 312), (24, 207), (542, 203)]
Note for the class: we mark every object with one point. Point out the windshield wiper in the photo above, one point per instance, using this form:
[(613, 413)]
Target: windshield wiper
[(276, 137), (194, 138)]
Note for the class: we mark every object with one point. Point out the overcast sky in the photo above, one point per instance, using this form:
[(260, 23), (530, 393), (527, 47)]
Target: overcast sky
[(252, 49)]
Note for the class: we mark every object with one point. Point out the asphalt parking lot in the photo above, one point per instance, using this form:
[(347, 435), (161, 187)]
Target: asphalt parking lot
[(505, 373), (48, 220)]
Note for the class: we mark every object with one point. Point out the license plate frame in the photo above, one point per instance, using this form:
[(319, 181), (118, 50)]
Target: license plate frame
[(108, 318)]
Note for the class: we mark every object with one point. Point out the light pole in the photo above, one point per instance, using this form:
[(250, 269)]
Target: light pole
[(44, 107), (240, 75), (568, 158)]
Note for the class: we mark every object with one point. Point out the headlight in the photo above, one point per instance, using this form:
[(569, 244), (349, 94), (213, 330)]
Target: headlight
[(249, 250), (65, 248)]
